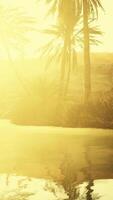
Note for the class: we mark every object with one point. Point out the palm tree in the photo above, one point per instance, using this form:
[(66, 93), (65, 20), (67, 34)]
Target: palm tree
[(58, 52), (68, 12), (15, 25), (90, 10)]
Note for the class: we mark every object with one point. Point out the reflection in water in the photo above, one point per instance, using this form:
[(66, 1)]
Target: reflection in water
[(89, 174), (102, 190), (12, 187), (69, 182), (89, 190), (25, 188)]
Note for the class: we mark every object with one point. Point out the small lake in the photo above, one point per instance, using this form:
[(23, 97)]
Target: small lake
[(14, 187), (64, 164)]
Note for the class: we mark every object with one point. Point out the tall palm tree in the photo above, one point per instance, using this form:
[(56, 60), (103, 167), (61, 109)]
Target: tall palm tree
[(58, 52), (67, 12), (90, 11)]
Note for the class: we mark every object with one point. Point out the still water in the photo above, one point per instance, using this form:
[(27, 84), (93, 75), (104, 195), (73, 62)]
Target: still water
[(71, 163), (14, 187)]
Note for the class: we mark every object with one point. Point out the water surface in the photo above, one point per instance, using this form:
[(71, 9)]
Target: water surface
[(14, 187)]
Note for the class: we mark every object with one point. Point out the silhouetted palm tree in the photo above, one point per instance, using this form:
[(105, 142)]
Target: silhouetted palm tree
[(68, 12), (68, 15), (90, 11), (63, 52)]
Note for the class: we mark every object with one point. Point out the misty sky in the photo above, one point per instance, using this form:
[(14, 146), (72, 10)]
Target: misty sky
[(105, 21)]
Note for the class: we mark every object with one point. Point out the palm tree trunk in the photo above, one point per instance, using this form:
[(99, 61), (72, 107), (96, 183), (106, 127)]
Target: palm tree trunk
[(60, 97), (62, 75), (68, 64), (87, 73)]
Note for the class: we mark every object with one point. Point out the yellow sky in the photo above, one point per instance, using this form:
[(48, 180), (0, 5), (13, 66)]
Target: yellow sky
[(105, 22)]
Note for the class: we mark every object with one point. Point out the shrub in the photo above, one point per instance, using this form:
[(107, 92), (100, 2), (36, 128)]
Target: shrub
[(97, 114)]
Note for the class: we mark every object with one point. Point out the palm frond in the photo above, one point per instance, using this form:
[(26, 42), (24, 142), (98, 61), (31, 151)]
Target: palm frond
[(51, 31), (94, 5), (15, 25)]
